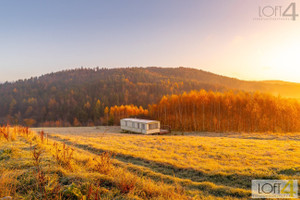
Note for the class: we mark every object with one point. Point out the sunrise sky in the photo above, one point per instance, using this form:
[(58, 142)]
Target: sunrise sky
[(223, 37)]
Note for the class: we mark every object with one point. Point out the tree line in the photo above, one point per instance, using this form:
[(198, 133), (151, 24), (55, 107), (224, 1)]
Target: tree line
[(228, 111)]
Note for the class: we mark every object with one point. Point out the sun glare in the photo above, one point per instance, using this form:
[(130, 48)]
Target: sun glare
[(283, 60)]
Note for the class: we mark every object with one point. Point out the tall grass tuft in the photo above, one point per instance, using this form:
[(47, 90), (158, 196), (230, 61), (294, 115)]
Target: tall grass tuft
[(103, 163), (63, 155), (7, 182), (125, 181)]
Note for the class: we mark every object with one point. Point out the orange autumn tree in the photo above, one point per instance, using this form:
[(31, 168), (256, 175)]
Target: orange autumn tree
[(118, 112), (229, 111)]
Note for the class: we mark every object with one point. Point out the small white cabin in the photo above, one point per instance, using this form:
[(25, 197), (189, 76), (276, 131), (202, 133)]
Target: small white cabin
[(140, 125)]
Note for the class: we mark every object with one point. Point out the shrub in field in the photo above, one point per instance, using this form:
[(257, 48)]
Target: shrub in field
[(125, 181), (47, 187), (42, 135), (103, 163), (63, 155), (4, 133), (40, 175), (93, 190)]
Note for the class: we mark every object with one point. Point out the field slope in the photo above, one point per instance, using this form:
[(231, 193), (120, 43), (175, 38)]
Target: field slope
[(204, 164)]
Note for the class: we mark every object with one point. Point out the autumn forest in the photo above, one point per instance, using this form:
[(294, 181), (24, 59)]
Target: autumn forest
[(182, 98)]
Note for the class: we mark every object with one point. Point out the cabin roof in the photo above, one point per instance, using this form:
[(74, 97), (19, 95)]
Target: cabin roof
[(139, 120)]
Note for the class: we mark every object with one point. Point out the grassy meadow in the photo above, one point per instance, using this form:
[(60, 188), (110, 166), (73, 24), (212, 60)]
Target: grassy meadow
[(102, 163)]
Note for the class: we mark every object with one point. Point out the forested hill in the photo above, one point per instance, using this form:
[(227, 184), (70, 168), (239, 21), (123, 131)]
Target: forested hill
[(286, 89), (84, 93)]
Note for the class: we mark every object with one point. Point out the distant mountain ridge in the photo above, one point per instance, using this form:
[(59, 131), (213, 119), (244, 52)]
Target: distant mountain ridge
[(74, 93)]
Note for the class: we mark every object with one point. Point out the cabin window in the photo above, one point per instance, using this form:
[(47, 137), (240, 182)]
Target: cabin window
[(153, 126), (143, 127), (125, 123)]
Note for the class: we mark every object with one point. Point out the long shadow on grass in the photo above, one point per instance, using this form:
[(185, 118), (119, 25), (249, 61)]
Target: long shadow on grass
[(231, 180)]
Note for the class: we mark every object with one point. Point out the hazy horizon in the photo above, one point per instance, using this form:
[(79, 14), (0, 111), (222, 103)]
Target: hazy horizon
[(39, 75)]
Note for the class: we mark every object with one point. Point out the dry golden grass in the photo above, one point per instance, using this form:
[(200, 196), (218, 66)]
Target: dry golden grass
[(220, 164), (33, 169), (212, 153), (193, 166), (7, 182)]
